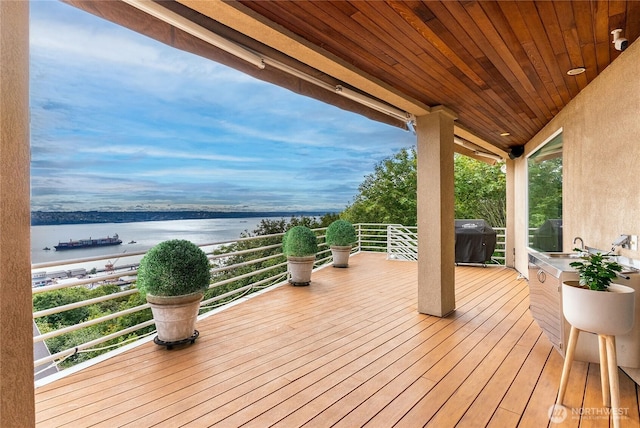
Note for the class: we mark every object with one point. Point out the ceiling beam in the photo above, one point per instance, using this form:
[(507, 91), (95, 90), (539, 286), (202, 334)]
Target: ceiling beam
[(472, 138)]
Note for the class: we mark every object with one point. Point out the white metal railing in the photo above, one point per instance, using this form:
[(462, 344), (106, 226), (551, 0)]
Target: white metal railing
[(402, 243), (238, 267), (500, 253)]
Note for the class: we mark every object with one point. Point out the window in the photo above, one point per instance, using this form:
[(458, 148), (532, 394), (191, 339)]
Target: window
[(544, 172)]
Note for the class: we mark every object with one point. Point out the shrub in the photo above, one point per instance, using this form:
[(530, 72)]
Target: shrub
[(299, 241), (173, 268), (596, 271), (341, 233)]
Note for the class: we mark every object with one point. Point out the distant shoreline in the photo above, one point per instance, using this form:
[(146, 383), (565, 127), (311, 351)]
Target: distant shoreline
[(52, 218)]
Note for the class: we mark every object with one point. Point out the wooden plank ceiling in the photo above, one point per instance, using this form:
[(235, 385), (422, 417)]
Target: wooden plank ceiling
[(501, 66)]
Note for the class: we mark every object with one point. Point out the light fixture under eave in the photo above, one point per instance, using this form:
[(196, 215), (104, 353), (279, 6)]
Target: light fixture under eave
[(488, 155), (575, 71), (156, 10), (375, 104)]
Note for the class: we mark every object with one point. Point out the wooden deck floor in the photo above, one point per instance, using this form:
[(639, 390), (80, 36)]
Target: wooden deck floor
[(350, 350)]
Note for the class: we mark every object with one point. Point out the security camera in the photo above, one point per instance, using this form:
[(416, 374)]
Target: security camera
[(620, 43)]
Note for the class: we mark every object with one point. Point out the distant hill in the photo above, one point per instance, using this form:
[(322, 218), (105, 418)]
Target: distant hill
[(42, 218)]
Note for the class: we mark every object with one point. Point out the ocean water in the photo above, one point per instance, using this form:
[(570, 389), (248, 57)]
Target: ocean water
[(144, 234)]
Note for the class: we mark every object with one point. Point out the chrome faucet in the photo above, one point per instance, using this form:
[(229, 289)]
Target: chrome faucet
[(581, 242), (622, 241)]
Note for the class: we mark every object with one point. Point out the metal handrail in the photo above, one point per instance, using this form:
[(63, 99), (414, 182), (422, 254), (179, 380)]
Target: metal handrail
[(402, 243), (129, 273), (376, 237)]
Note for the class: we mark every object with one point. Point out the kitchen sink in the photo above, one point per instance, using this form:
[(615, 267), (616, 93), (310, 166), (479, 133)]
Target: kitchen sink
[(560, 255)]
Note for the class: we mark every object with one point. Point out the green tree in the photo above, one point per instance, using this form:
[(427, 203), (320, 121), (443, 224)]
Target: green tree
[(388, 195), (545, 191), (56, 298), (480, 191)]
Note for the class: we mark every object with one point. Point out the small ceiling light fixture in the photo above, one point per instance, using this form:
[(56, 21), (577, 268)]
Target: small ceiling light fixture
[(504, 134), (575, 71)]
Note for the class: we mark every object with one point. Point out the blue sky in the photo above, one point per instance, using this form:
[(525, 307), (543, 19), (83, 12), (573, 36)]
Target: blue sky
[(122, 122)]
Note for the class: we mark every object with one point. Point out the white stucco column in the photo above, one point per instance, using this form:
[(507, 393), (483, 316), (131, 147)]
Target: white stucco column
[(17, 407), (510, 231), (436, 231)]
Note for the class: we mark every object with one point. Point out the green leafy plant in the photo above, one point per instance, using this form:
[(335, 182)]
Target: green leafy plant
[(341, 233), (299, 241), (596, 271), (174, 268)]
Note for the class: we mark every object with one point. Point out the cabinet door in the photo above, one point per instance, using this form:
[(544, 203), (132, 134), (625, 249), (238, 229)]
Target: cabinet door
[(544, 298)]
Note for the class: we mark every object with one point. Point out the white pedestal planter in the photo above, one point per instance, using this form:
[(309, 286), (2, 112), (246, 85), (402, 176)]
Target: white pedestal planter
[(300, 269), (606, 313), (340, 255), (175, 316), (601, 312)]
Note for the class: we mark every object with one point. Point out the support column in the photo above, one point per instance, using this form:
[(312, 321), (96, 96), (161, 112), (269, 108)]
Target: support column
[(17, 408), (510, 242), (436, 225)]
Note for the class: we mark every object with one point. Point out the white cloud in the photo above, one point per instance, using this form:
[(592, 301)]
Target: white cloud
[(120, 120), (163, 153)]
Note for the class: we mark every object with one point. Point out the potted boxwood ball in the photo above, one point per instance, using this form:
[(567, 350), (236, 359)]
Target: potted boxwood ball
[(300, 245), (173, 277), (340, 237)]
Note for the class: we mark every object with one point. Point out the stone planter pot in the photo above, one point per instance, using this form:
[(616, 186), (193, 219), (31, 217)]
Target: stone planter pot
[(340, 255), (175, 316), (601, 312), (300, 269)]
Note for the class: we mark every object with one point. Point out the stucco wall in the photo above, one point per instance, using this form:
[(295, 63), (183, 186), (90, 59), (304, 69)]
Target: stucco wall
[(601, 165), (17, 407)]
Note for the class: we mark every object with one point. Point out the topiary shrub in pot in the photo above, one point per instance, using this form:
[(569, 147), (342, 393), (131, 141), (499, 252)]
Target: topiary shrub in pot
[(340, 237), (173, 277), (300, 245)]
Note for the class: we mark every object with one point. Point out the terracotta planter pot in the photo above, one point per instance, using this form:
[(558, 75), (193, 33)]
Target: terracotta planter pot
[(601, 312), (175, 316), (300, 269), (340, 255)]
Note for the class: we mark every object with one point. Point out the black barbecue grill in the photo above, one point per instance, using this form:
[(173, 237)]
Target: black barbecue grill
[(475, 241)]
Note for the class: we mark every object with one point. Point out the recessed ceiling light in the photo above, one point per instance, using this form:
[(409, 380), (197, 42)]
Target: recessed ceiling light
[(576, 71), (504, 134)]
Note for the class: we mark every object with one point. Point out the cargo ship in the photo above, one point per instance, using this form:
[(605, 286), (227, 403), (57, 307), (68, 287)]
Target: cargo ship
[(88, 243)]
